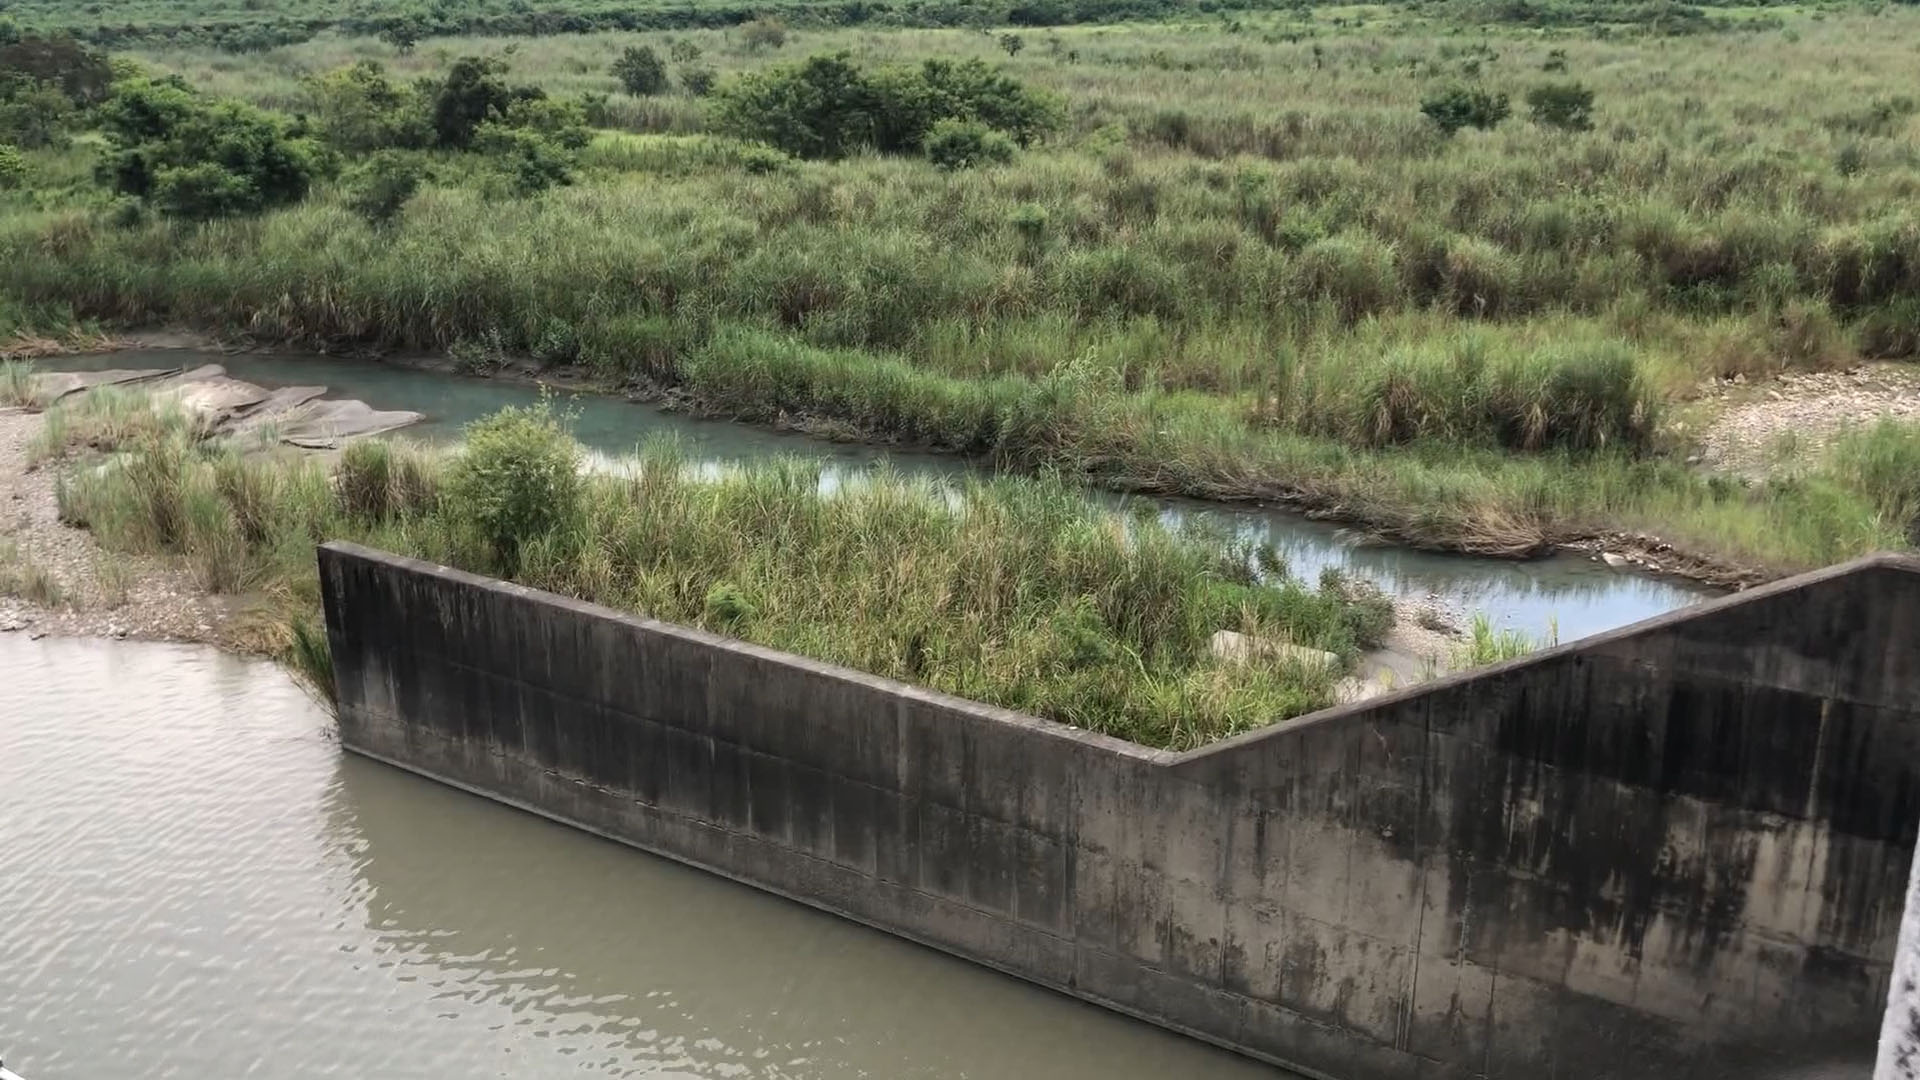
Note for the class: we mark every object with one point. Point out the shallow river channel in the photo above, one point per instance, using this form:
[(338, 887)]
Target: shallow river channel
[(1575, 596)]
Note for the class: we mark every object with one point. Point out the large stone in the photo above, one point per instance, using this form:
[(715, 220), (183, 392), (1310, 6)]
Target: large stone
[(1237, 648)]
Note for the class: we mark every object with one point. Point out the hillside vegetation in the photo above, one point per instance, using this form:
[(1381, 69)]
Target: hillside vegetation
[(1454, 272)]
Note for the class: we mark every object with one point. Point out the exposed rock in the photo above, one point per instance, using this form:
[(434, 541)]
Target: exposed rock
[(296, 415), (325, 425), (1613, 559), (50, 387), (1235, 647)]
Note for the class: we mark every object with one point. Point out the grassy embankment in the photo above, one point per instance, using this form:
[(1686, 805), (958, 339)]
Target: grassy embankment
[(1248, 267), (1012, 591)]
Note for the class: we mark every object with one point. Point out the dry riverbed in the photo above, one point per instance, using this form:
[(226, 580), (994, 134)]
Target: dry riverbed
[(57, 580)]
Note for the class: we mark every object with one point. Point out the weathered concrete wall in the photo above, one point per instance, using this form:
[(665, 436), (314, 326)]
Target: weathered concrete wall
[(1678, 850)]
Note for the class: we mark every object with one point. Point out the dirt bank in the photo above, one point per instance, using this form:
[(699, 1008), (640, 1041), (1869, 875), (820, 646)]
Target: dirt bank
[(55, 579)]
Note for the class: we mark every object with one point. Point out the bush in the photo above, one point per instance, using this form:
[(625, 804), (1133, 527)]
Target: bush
[(828, 107), (962, 144), (641, 71), (1567, 106), (1460, 107), (13, 167), (564, 123), (517, 480), (197, 159), (34, 114), (379, 189), (358, 110), (475, 91), (531, 162), (697, 81)]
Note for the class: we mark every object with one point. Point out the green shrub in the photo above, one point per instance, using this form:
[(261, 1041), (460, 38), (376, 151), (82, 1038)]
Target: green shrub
[(828, 107), (517, 479), (357, 109), (1353, 271), (530, 162), (823, 108), (474, 92), (963, 144), (562, 123), (1459, 107), (34, 114), (641, 71), (1567, 106), (379, 188), (201, 159), (697, 81), (13, 167)]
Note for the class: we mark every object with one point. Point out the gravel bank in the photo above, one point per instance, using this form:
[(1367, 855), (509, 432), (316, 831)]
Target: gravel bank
[(54, 579)]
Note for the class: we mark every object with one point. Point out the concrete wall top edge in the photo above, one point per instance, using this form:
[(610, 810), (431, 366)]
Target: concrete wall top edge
[(1198, 759), (979, 711)]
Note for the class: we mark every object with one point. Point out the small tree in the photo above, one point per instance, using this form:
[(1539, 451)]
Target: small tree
[(640, 71), (379, 189), (823, 108), (962, 144), (1012, 43), (403, 34), (475, 91), (683, 52), (1567, 106), (1460, 107), (763, 33)]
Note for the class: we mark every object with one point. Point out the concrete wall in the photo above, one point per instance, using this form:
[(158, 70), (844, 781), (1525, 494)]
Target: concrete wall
[(1678, 850)]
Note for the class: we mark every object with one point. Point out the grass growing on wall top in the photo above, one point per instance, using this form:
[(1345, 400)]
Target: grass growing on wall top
[(1014, 592)]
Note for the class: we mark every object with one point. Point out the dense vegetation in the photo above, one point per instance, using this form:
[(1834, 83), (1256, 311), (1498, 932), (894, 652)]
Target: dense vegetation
[(1012, 591), (1453, 272)]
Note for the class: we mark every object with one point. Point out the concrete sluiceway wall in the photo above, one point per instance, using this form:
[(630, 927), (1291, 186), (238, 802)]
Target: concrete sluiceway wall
[(1677, 850)]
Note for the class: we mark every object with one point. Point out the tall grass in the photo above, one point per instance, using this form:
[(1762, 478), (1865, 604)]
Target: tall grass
[(17, 384), (1010, 591)]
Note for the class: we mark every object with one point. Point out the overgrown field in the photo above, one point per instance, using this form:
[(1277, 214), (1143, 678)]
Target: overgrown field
[(1012, 591), (1446, 272)]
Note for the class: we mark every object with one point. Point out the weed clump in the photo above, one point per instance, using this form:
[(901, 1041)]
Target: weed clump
[(517, 480)]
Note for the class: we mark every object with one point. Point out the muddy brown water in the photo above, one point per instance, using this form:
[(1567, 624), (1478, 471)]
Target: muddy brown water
[(195, 881)]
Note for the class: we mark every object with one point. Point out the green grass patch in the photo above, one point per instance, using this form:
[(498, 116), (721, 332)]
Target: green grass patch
[(1010, 591)]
